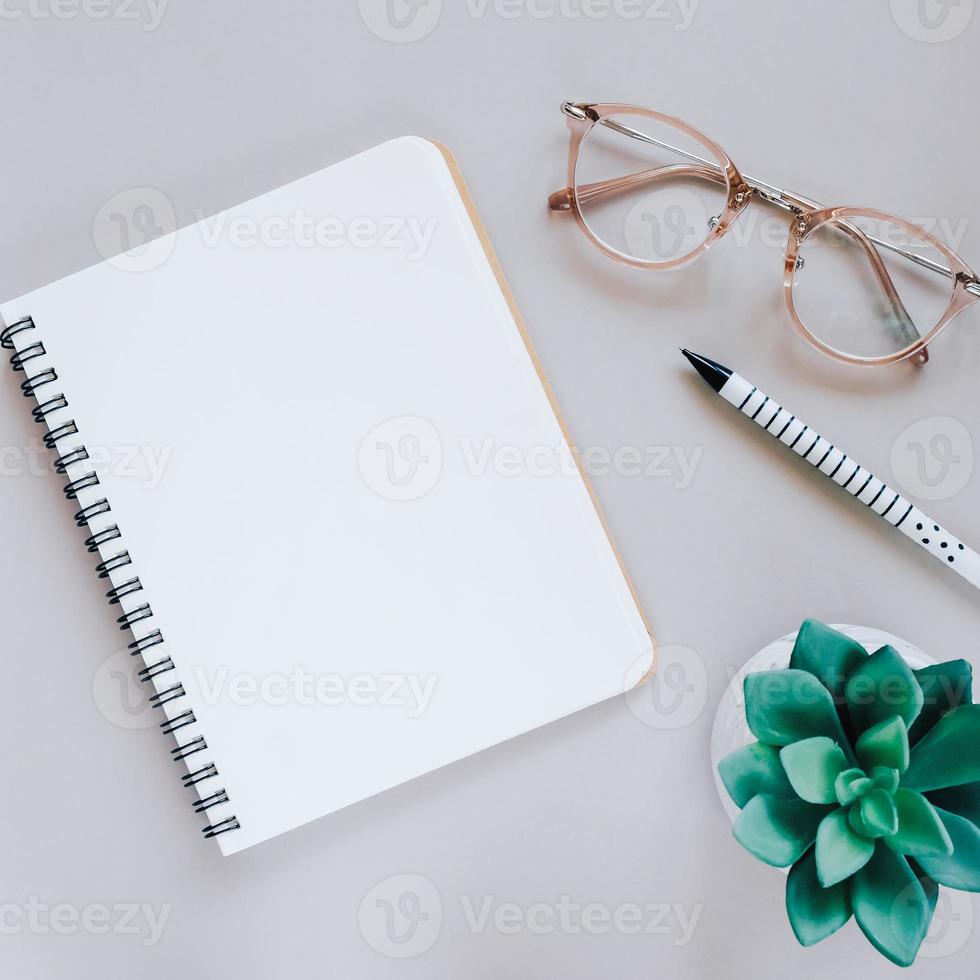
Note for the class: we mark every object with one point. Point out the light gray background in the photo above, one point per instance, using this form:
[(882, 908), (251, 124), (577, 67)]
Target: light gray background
[(229, 98)]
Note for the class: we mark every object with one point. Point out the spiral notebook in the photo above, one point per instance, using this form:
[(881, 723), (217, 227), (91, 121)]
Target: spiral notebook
[(372, 551)]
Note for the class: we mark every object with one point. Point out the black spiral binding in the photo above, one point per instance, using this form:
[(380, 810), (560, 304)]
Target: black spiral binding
[(34, 386)]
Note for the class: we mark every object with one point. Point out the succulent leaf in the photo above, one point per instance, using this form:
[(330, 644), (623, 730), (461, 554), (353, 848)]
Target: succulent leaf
[(930, 887), (857, 822), (813, 766), (752, 770), (962, 800), (883, 777), (851, 785), (885, 744), (784, 706), (880, 687), (815, 912), (827, 654), (944, 687), (948, 755), (778, 831), (840, 852), (891, 906), (961, 869), (920, 832), (879, 814)]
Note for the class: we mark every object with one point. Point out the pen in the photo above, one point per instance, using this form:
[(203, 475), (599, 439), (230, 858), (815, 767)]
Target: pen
[(835, 464)]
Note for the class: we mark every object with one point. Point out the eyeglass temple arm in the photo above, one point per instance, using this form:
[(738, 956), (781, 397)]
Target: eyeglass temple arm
[(586, 193)]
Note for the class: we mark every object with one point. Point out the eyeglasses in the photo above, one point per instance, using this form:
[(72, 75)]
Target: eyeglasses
[(863, 286)]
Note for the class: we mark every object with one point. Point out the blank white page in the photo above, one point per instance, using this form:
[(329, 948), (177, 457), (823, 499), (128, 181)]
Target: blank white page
[(368, 549)]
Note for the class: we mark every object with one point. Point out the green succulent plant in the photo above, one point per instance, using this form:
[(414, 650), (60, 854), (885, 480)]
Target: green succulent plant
[(865, 782)]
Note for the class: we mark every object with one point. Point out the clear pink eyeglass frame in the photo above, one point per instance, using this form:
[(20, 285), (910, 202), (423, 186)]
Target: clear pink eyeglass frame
[(808, 216)]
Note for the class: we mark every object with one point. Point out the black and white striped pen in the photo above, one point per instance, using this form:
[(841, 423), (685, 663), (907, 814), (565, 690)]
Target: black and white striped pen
[(834, 463)]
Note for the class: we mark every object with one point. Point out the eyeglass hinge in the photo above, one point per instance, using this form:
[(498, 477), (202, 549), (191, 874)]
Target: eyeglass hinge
[(573, 110), (972, 286), (742, 196), (802, 224)]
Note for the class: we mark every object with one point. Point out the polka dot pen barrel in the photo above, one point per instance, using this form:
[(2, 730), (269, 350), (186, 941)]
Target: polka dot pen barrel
[(836, 465)]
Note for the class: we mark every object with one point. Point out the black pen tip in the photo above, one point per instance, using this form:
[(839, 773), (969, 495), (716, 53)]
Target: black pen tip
[(715, 374)]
